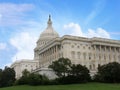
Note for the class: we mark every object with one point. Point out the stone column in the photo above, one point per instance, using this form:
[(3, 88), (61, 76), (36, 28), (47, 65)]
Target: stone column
[(110, 54), (115, 54), (94, 52), (51, 53), (39, 61), (47, 55), (56, 51), (105, 53), (117, 51), (100, 54)]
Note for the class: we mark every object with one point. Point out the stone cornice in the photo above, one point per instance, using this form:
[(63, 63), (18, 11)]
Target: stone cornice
[(23, 61), (93, 41)]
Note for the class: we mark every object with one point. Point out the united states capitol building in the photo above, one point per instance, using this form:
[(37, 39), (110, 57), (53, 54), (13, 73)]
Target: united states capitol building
[(90, 52)]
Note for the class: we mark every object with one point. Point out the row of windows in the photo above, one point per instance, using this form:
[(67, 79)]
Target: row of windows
[(80, 44), (108, 49), (42, 42), (84, 47), (79, 54), (99, 56)]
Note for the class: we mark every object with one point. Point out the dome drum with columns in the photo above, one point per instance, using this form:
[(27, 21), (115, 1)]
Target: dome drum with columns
[(48, 34)]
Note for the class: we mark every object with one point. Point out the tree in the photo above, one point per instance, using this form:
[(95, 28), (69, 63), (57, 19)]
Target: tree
[(7, 77), (37, 79), (25, 73), (61, 67), (109, 73), (0, 77), (24, 79), (70, 73), (77, 74), (81, 72)]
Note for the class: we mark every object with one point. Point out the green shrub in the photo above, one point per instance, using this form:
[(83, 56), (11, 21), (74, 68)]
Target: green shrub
[(108, 73)]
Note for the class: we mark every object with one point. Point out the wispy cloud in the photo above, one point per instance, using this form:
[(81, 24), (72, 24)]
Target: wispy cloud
[(115, 33), (98, 7), (25, 43), (25, 34), (12, 14), (2, 46)]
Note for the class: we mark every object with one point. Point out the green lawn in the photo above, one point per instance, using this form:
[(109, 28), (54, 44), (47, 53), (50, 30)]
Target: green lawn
[(89, 86)]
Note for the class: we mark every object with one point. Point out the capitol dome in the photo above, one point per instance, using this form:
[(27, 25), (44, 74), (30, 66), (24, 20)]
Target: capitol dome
[(48, 34)]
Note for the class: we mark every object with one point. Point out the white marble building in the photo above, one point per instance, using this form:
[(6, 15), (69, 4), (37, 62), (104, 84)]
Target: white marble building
[(90, 52)]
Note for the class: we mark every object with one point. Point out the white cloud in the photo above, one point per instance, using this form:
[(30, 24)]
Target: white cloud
[(73, 29), (12, 14), (12, 8), (25, 43), (99, 32), (2, 46)]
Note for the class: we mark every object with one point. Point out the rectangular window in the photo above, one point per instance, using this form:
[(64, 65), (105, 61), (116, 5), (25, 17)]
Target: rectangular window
[(78, 55), (73, 54)]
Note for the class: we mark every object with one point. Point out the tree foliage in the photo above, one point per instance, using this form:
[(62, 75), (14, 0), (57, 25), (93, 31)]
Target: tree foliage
[(109, 73), (24, 79), (0, 77), (70, 73), (37, 79), (61, 67), (81, 73), (7, 77), (32, 79)]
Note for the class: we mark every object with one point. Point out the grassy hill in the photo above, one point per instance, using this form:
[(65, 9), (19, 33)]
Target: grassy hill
[(88, 86)]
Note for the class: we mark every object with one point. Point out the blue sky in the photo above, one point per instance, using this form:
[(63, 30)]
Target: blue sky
[(22, 21)]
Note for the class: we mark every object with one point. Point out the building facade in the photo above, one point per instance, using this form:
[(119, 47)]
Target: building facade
[(20, 66), (90, 52)]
